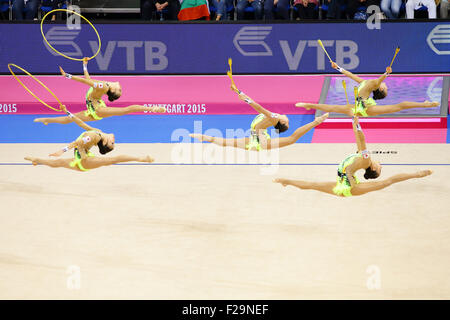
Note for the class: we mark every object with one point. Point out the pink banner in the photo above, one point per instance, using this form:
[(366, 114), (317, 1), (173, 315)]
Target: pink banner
[(183, 95)]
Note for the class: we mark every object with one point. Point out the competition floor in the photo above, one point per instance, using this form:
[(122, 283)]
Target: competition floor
[(166, 231)]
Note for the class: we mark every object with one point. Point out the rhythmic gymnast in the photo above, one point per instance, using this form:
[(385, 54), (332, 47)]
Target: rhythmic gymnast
[(83, 159), (347, 184), (259, 137), (96, 107), (366, 105)]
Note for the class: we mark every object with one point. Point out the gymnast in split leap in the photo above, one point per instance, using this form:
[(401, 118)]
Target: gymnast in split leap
[(366, 105), (83, 159), (96, 107), (259, 137), (347, 184)]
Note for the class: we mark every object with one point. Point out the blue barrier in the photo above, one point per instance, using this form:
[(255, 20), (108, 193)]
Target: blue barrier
[(255, 49)]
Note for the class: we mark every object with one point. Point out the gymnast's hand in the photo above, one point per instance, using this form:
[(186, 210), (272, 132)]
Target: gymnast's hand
[(388, 70), (62, 71), (56, 154), (334, 65), (235, 89), (85, 61)]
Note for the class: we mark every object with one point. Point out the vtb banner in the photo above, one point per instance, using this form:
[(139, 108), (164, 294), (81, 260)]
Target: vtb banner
[(288, 48)]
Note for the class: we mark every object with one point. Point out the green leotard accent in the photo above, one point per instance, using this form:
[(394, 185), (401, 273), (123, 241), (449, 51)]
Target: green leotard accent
[(343, 187), (90, 107), (362, 104), (254, 137), (77, 156)]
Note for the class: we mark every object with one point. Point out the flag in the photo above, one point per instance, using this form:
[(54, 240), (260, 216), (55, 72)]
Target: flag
[(193, 10)]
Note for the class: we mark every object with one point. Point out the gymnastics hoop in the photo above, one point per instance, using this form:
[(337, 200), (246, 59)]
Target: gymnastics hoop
[(65, 56), (38, 81)]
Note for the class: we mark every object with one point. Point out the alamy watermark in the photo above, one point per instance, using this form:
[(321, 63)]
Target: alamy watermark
[(238, 141)]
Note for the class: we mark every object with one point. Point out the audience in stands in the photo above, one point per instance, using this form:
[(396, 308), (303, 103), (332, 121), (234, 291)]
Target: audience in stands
[(258, 9), (255, 4), (412, 5), (391, 8), (25, 9), (335, 8), (282, 7), (357, 6), (305, 9), (50, 5), (444, 9), (221, 7), (159, 9)]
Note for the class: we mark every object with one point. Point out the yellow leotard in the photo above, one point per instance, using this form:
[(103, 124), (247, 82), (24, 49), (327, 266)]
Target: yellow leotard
[(343, 187), (91, 112), (254, 137), (362, 104), (77, 156)]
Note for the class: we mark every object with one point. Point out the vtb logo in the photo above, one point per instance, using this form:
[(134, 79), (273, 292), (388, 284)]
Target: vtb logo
[(439, 39), (249, 41), (62, 39)]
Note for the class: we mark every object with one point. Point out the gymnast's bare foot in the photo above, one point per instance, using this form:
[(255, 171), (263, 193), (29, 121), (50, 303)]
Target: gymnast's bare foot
[(429, 104), (201, 137), (303, 105), (284, 182), (159, 109), (424, 173), (322, 118), (43, 120), (147, 159), (33, 160)]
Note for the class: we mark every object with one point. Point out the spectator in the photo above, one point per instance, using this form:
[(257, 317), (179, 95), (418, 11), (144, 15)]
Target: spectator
[(412, 5), (305, 9), (256, 4), (354, 6), (193, 10), (151, 7), (391, 8), (444, 9), (221, 8), (29, 7), (146, 9), (282, 6), (334, 8), (52, 5)]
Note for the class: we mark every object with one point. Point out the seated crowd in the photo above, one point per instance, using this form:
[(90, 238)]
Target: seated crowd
[(254, 9)]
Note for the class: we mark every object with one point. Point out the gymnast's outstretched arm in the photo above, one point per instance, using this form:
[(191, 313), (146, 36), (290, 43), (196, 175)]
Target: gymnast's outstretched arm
[(78, 121), (359, 135), (378, 81), (346, 73), (256, 106), (85, 69)]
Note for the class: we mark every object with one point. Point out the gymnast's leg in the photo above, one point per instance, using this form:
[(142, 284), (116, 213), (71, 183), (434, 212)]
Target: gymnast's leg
[(366, 187), (326, 187), (345, 109), (234, 142), (120, 111), (54, 163), (377, 110), (283, 142), (64, 120), (97, 162)]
